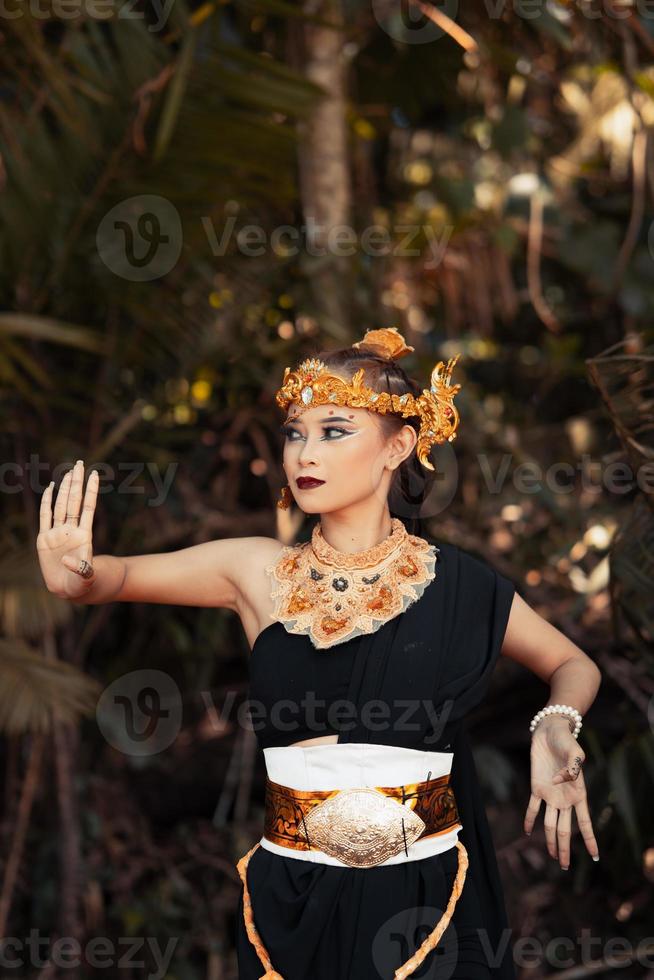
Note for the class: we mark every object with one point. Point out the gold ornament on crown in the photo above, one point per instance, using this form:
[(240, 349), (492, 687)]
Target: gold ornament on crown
[(313, 384)]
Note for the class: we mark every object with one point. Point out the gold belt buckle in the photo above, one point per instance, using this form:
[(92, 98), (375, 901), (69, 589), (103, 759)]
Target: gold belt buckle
[(361, 827)]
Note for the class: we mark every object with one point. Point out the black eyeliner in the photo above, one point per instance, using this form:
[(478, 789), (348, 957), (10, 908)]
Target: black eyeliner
[(286, 427)]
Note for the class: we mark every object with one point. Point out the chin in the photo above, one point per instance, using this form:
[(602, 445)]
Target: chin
[(335, 508)]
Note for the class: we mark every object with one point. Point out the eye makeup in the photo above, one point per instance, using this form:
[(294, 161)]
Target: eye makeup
[(286, 429)]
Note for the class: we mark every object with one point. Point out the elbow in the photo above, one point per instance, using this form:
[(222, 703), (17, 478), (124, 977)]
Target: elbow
[(594, 673), (592, 677), (582, 662)]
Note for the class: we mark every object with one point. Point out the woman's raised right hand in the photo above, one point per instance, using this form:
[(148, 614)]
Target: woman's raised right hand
[(65, 544)]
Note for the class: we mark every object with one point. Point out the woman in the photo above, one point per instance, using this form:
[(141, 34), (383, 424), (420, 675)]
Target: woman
[(376, 858)]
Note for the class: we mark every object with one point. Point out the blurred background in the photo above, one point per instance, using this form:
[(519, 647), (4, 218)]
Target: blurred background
[(193, 197)]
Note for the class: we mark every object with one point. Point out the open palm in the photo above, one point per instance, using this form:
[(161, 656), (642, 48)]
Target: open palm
[(65, 541), (558, 780)]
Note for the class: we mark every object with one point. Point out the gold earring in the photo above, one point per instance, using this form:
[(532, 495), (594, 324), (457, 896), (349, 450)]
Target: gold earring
[(285, 501)]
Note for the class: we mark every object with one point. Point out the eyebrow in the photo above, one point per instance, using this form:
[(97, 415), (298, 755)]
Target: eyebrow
[(329, 418)]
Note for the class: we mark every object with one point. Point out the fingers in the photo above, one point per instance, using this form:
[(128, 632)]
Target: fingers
[(75, 493), (563, 833), (90, 499), (549, 824), (67, 504), (532, 813), (586, 828), (61, 502), (45, 510)]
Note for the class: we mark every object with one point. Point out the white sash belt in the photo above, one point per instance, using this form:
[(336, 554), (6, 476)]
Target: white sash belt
[(355, 765)]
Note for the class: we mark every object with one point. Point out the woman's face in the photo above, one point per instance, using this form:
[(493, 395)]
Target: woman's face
[(345, 449)]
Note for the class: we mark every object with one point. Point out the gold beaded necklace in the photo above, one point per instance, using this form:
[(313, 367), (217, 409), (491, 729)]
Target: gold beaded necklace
[(332, 596)]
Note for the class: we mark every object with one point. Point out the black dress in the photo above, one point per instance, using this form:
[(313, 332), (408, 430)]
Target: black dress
[(431, 665)]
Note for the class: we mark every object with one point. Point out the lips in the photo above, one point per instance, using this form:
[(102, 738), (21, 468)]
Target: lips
[(306, 482)]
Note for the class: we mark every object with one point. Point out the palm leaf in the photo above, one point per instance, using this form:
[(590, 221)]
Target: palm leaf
[(624, 377), (27, 609), (622, 795), (632, 571), (36, 691), (51, 330)]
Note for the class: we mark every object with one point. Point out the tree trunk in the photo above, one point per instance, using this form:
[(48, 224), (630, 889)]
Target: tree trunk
[(324, 171)]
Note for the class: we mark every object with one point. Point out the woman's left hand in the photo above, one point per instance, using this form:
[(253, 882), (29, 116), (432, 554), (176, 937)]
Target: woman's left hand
[(557, 778)]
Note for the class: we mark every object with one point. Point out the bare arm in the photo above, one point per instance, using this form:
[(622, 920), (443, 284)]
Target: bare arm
[(556, 756), (530, 640), (213, 573), (110, 574), (203, 575)]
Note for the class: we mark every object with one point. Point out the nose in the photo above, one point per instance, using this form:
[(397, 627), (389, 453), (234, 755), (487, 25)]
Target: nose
[(307, 453)]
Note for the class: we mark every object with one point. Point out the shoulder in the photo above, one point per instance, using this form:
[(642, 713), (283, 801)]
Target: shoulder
[(258, 552), (256, 558), (475, 581)]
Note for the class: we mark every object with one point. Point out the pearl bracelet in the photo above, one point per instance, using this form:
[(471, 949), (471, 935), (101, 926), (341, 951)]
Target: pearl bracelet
[(558, 709)]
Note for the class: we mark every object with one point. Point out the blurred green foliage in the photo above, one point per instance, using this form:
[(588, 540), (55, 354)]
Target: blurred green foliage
[(508, 168)]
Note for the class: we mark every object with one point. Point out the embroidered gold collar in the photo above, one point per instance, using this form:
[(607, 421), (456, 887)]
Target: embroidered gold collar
[(333, 596)]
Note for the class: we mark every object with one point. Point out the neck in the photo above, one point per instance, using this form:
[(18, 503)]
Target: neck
[(355, 530)]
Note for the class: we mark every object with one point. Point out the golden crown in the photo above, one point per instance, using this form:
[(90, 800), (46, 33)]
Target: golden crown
[(313, 384)]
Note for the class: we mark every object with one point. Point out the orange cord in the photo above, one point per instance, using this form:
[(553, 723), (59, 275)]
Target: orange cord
[(405, 970), (251, 929), (414, 961)]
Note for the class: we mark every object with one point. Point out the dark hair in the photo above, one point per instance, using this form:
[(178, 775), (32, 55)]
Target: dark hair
[(411, 480)]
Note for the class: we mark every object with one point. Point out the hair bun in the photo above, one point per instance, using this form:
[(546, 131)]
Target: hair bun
[(387, 342)]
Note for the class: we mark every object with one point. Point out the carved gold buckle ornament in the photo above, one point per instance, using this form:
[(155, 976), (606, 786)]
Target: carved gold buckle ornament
[(361, 827)]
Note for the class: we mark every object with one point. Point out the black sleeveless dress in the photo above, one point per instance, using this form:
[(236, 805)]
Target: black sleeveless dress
[(429, 666)]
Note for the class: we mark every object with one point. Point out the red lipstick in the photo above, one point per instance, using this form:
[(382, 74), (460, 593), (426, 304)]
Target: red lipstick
[(307, 482)]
